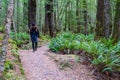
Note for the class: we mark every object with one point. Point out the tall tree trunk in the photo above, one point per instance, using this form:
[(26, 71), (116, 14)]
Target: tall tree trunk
[(66, 18), (21, 12), (15, 15), (25, 13), (78, 16), (107, 18), (18, 15), (103, 26), (7, 36), (31, 12), (0, 5), (85, 18), (9, 18), (38, 13), (116, 32), (49, 19)]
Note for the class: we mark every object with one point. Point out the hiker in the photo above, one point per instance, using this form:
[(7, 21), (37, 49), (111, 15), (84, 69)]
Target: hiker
[(34, 33)]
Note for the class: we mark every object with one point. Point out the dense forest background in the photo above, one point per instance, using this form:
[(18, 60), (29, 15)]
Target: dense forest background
[(72, 26), (52, 16)]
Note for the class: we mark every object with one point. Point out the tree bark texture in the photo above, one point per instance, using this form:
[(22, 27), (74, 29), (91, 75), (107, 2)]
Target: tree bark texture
[(31, 12), (6, 36), (103, 26), (9, 18), (116, 32), (49, 17), (85, 18)]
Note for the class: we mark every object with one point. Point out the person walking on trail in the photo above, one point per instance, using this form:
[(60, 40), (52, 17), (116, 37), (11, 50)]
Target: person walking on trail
[(34, 33)]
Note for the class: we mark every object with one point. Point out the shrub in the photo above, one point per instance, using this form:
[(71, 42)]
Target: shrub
[(2, 28), (19, 38), (103, 53)]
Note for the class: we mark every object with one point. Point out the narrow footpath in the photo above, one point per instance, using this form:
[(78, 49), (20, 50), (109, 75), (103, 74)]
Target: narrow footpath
[(39, 66)]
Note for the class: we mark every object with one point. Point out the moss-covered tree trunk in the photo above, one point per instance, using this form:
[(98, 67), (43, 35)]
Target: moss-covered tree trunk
[(7, 35), (103, 26), (116, 32)]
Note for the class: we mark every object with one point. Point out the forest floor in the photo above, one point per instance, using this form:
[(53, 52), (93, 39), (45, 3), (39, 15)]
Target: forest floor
[(46, 65)]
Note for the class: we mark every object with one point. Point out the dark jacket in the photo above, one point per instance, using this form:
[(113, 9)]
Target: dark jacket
[(34, 33)]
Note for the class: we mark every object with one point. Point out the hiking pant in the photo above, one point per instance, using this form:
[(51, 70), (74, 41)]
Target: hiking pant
[(34, 45)]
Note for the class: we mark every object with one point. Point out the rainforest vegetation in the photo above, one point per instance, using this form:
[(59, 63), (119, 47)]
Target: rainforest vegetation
[(89, 27)]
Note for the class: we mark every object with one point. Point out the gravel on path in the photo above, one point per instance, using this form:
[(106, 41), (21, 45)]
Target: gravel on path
[(38, 66)]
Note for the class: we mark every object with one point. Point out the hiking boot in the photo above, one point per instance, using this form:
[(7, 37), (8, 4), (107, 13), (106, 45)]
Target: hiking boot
[(36, 49)]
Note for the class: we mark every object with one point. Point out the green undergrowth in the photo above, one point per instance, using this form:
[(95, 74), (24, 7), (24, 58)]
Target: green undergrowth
[(23, 41), (13, 68), (2, 28), (20, 38), (45, 38), (103, 53)]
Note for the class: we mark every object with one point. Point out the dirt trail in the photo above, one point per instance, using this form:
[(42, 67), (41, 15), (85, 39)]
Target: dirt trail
[(39, 66)]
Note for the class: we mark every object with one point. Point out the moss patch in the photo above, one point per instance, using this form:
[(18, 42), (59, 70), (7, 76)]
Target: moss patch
[(13, 67)]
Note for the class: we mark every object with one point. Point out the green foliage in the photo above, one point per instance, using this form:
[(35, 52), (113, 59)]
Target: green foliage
[(104, 54), (19, 38), (12, 76), (44, 37), (22, 71), (13, 63), (15, 53), (8, 65), (2, 29), (1, 38), (70, 41)]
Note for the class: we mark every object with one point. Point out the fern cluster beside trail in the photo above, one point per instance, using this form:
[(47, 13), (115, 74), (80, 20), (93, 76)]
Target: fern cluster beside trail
[(103, 53), (19, 38)]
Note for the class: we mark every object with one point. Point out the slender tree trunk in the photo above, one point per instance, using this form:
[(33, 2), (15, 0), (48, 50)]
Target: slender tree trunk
[(21, 13), (100, 19), (78, 16), (15, 15), (38, 13), (46, 27), (31, 12), (85, 18), (107, 18), (25, 13), (69, 16), (14, 27), (103, 26), (18, 15), (49, 19), (66, 18), (0, 5), (116, 32), (41, 17)]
